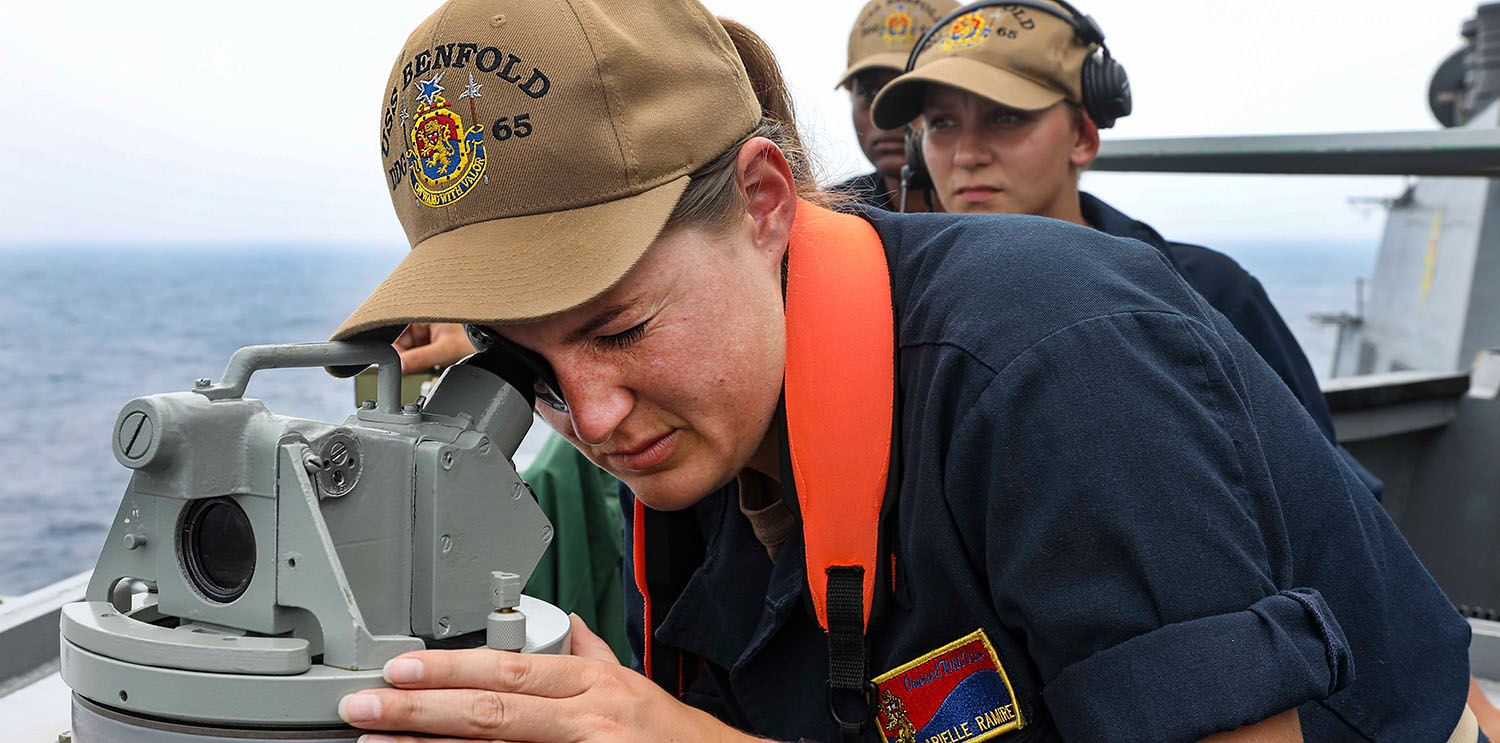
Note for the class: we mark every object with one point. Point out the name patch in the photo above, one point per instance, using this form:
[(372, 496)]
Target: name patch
[(958, 693)]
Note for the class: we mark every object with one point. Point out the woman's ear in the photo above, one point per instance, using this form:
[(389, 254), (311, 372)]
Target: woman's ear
[(770, 193), (1085, 140)]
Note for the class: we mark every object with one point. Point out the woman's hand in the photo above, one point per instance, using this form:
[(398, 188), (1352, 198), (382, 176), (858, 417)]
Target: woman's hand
[(424, 346), (487, 694)]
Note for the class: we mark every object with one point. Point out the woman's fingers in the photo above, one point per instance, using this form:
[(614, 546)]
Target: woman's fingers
[(468, 714), (427, 346), (415, 334), (553, 676), (586, 644), (394, 738), (490, 695)]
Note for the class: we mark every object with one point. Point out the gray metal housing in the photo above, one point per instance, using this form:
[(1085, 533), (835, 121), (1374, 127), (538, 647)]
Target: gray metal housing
[(369, 538)]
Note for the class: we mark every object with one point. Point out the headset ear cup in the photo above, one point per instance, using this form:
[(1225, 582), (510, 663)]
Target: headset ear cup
[(915, 173), (1106, 89)]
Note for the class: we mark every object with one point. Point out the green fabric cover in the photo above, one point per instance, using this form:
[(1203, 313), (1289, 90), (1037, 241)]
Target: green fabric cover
[(581, 572)]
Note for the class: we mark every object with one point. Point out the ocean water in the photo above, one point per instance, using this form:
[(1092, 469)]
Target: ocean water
[(84, 329)]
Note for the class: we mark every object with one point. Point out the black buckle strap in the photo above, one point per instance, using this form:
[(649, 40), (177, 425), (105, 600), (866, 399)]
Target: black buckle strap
[(851, 696)]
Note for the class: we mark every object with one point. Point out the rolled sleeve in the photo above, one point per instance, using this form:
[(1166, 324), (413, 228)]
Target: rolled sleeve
[(1185, 680)]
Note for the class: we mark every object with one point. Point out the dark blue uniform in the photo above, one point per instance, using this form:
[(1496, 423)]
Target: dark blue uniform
[(1237, 295), (1233, 292), (867, 189), (1105, 479)]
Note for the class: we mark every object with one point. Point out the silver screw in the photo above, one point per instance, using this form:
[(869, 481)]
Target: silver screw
[(448, 460), (442, 625), (203, 382), (135, 435), (546, 534), (515, 490), (135, 541), (446, 544), (484, 446)]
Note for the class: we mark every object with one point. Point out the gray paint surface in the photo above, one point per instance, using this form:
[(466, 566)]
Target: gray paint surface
[(369, 537)]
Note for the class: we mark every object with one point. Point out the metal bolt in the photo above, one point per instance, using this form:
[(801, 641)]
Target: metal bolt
[(65, 736), (546, 534), (445, 544), (135, 435), (484, 446), (412, 409), (135, 541), (448, 460), (367, 405), (515, 489), (442, 625), (203, 382), (338, 453), (505, 590)]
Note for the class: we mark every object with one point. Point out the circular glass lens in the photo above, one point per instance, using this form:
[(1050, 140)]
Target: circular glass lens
[(218, 548)]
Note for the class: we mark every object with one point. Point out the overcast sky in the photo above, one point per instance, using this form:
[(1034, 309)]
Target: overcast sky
[(178, 121)]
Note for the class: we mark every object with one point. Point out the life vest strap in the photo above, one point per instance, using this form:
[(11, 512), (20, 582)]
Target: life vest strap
[(839, 398), (840, 394)]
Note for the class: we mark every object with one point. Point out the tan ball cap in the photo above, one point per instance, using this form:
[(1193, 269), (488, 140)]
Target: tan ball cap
[(887, 30), (1014, 55), (534, 149)]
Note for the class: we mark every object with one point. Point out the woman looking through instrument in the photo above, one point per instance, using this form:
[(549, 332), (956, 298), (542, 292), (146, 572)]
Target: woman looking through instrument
[(647, 250)]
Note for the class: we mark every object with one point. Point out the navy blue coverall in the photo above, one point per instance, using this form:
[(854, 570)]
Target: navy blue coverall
[(1104, 482)]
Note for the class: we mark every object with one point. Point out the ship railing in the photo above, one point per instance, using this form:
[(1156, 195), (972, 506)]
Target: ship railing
[(28, 631), (1444, 152)]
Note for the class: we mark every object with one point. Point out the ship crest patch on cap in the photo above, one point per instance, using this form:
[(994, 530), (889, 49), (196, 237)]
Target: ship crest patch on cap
[(958, 693), (969, 30), (445, 160), (899, 27)]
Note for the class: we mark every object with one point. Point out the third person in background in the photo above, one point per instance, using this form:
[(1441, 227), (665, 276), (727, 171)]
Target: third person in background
[(879, 44)]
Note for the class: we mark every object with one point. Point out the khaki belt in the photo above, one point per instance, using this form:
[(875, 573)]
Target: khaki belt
[(1467, 730)]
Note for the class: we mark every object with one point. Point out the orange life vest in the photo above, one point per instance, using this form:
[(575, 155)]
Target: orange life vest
[(839, 401)]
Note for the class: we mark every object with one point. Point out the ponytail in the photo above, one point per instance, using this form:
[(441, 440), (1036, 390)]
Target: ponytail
[(771, 91), (712, 199)]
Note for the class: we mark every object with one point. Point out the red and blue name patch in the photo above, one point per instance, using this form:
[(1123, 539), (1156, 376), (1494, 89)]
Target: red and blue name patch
[(958, 693)]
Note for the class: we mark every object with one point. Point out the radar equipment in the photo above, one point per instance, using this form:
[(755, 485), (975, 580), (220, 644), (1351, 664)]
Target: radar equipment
[(261, 567)]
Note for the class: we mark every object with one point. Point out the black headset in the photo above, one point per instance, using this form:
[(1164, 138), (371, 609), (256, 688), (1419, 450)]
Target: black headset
[(1106, 88)]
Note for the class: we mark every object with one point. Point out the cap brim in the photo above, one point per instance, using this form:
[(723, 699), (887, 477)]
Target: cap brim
[(902, 100), (514, 269), (894, 61)]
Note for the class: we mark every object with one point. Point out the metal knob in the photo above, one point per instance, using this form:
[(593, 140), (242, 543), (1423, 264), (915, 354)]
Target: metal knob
[(505, 628)]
